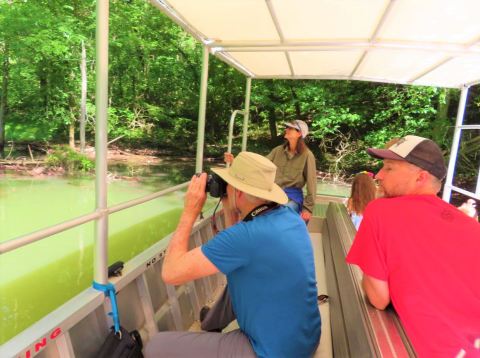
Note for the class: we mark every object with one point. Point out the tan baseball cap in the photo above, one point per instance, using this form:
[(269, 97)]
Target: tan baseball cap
[(419, 151), (299, 125)]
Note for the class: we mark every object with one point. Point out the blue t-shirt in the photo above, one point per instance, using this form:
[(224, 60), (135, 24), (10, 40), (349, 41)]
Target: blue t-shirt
[(356, 219), (271, 280)]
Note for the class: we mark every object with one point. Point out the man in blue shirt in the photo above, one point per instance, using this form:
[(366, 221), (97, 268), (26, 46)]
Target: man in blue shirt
[(266, 254)]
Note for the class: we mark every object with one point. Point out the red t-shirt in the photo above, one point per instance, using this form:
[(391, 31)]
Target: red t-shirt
[(429, 253)]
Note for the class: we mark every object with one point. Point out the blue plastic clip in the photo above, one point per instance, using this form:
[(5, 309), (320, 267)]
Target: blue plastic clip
[(109, 290)]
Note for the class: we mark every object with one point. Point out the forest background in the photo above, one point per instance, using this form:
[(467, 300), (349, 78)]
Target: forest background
[(154, 92)]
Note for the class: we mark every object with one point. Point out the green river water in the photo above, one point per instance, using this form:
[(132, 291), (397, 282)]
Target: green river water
[(37, 278)]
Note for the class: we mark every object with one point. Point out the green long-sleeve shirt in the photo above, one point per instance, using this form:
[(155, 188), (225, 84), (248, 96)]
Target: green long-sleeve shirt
[(296, 170)]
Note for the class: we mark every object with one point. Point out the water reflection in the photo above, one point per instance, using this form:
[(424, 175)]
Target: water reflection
[(170, 171)]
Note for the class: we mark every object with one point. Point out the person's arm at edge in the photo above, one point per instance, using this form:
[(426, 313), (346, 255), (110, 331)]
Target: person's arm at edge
[(228, 158), (181, 265), (377, 291), (311, 174)]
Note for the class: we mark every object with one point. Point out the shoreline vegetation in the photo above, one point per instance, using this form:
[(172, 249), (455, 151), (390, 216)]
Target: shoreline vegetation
[(41, 161), (64, 160)]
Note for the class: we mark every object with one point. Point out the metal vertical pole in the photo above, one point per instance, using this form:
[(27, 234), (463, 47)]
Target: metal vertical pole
[(477, 188), (246, 113), (201, 112), (447, 190), (83, 100), (101, 102)]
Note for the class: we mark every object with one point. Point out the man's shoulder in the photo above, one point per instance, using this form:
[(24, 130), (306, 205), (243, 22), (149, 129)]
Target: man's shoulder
[(380, 203), (280, 213), (407, 200), (390, 206), (410, 205), (280, 217)]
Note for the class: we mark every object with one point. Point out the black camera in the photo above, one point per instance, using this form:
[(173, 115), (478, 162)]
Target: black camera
[(216, 186)]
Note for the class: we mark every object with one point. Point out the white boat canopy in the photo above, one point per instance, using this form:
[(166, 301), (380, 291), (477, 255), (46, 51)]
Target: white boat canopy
[(426, 42)]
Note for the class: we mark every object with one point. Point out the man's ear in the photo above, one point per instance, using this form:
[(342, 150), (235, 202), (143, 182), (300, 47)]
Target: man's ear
[(423, 177), (239, 194)]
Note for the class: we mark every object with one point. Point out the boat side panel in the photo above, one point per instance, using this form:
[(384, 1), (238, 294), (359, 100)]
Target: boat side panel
[(91, 329), (80, 326)]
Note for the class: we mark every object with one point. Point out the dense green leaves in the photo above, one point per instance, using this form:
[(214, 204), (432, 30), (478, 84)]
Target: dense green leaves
[(154, 77)]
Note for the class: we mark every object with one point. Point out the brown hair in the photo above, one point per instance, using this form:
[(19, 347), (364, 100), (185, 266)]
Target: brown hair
[(301, 145), (363, 191)]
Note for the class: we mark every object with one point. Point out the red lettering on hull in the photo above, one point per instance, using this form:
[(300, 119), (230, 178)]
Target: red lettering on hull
[(42, 343)]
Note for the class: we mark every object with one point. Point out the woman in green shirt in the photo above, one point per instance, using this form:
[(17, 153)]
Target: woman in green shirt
[(296, 168)]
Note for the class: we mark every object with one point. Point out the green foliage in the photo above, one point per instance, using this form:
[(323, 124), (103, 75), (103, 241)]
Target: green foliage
[(63, 156), (154, 77)]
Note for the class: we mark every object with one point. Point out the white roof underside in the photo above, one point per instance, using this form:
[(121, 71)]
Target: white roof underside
[(424, 42)]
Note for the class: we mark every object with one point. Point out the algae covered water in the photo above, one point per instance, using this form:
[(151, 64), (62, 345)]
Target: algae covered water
[(37, 278)]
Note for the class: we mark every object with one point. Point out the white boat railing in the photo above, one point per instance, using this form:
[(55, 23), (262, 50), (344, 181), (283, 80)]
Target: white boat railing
[(20, 241)]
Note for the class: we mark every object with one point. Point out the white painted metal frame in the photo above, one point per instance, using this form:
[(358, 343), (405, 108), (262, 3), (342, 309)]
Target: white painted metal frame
[(449, 187), (225, 49), (202, 111), (230, 130), (101, 134), (246, 113)]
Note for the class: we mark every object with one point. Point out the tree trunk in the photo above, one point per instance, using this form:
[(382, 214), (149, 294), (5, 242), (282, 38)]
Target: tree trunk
[(442, 109), (441, 123), (272, 123), (43, 82), (298, 110), (272, 116), (71, 135), (3, 98), (83, 101)]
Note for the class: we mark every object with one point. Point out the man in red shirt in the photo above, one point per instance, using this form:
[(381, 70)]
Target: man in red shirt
[(421, 253)]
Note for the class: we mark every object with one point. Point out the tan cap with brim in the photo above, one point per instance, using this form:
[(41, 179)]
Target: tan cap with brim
[(300, 126), (255, 175), (419, 151)]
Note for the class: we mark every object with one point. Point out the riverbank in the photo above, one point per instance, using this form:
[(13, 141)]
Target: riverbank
[(35, 164)]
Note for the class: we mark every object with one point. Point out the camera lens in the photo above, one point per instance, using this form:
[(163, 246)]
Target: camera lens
[(216, 186)]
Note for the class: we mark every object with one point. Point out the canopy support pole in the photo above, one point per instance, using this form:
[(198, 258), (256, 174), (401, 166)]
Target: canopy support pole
[(246, 113), (202, 111), (447, 190), (101, 103)]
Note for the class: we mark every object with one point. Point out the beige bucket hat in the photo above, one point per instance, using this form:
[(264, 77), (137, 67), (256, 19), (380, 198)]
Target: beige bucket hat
[(255, 175)]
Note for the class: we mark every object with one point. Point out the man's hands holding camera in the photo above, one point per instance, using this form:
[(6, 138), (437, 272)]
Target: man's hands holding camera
[(196, 196), (199, 186)]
